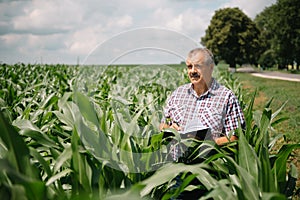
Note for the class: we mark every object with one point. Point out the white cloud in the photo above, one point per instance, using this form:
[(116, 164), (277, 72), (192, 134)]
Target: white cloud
[(49, 15), (163, 13), (191, 21), (10, 39), (82, 41), (250, 8), (61, 30), (176, 23), (141, 45), (124, 21)]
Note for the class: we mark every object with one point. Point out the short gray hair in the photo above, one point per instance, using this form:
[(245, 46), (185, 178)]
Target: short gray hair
[(208, 56)]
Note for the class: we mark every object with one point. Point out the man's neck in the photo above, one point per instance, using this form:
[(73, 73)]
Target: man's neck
[(202, 87)]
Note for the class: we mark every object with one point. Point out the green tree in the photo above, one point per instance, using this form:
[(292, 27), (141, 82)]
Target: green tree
[(280, 27), (286, 29), (264, 22), (267, 59), (232, 36)]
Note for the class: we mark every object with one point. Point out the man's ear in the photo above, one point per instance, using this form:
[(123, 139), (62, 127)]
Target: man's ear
[(187, 62)]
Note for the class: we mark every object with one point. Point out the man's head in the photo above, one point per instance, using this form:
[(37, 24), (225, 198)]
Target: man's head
[(200, 64)]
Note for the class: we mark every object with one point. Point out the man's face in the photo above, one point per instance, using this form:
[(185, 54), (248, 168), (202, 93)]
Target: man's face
[(198, 71)]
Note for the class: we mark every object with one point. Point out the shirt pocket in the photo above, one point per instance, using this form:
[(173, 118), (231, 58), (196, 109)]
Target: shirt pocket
[(214, 118), (177, 113)]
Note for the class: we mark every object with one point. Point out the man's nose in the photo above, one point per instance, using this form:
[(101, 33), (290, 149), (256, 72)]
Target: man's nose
[(193, 68)]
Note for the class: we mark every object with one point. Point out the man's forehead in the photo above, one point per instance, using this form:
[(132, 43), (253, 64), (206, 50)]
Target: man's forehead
[(195, 58)]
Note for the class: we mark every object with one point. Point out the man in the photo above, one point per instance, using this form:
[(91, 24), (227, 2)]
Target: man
[(203, 103)]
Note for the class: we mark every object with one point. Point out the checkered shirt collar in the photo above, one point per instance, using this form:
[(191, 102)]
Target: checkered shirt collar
[(211, 90)]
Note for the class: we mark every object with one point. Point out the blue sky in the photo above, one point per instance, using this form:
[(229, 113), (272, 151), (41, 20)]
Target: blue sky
[(101, 31)]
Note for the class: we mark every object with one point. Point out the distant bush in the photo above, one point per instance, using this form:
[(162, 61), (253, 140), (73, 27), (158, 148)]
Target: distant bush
[(267, 59)]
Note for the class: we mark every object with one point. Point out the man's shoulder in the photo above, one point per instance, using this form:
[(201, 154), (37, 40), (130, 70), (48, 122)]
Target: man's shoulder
[(184, 86), (182, 89), (220, 88)]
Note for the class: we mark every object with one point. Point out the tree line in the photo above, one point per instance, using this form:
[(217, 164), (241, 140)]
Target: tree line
[(271, 39)]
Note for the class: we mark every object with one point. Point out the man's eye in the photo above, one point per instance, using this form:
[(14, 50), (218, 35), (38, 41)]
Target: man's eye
[(189, 66)]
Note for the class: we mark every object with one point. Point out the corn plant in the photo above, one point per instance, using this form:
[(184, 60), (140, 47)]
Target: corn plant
[(92, 132), (251, 172)]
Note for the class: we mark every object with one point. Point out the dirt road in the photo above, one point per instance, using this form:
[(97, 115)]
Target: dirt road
[(271, 74)]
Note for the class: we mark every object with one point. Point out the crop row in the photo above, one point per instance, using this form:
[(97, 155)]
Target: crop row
[(71, 132)]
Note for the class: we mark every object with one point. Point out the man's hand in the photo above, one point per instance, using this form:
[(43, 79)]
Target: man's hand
[(173, 125), (224, 140)]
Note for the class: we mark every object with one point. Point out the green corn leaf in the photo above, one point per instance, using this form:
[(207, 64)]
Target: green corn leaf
[(132, 194), (95, 142), (273, 140), (264, 125), (268, 104), (28, 129), (275, 122), (24, 124), (275, 114), (272, 196), (41, 161), (126, 154), (67, 114), (247, 182), (292, 181), (221, 191), (249, 116), (57, 176), (50, 100), (236, 186), (17, 162), (183, 187), (17, 151), (81, 170), (104, 125), (63, 159), (64, 99), (247, 158), (170, 171), (266, 177), (86, 108), (14, 192), (279, 167)]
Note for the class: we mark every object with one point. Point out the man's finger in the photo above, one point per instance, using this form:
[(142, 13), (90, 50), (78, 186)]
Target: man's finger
[(176, 127)]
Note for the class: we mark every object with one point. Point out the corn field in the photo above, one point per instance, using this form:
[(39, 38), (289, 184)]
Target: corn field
[(73, 132)]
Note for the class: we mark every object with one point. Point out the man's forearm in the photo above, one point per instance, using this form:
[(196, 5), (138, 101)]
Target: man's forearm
[(219, 141), (163, 126), (173, 125), (224, 139)]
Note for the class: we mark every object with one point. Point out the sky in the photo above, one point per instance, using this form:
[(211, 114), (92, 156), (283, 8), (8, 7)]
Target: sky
[(107, 31)]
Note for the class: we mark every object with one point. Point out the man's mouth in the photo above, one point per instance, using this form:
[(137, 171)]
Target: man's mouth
[(194, 75)]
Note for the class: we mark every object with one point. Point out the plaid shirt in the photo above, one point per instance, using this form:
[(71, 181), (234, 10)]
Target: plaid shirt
[(217, 109)]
